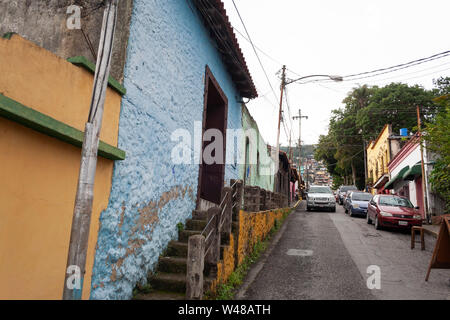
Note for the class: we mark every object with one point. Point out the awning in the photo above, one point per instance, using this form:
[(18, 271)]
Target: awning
[(415, 171), (398, 177), (381, 181)]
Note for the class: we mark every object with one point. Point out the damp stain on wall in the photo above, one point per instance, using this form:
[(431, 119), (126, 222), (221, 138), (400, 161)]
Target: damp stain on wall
[(137, 233)]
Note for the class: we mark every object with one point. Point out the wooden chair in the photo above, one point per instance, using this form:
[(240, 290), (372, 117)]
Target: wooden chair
[(413, 236)]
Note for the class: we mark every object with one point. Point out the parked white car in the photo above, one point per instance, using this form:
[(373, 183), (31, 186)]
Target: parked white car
[(320, 197)]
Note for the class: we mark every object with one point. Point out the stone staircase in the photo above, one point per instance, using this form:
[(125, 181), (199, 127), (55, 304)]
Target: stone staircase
[(168, 282)]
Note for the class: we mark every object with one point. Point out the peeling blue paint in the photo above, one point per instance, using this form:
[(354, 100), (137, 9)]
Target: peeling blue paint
[(150, 194)]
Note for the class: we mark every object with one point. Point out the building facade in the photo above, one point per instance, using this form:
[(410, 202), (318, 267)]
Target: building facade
[(406, 177), (182, 79), (406, 174), (379, 154), (258, 167), (44, 104)]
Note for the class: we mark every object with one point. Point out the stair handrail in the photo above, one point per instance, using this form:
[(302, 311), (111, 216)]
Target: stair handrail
[(203, 243)]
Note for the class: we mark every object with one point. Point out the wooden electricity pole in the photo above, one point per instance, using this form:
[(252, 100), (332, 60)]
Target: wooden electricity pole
[(79, 236), (277, 148), (424, 182), (299, 117)]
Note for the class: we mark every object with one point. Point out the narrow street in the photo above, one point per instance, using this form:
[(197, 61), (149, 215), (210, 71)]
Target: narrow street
[(335, 267)]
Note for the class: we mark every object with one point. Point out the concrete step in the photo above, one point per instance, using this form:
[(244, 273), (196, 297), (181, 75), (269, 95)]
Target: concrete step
[(172, 265), (174, 282), (177, 249), (160, 295), (193, 224), (169, 282), (199, 215), (184, 235)]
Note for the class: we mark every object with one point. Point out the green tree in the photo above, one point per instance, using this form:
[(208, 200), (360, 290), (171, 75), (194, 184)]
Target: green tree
[(366, 111), (395, 104), (437, 137)]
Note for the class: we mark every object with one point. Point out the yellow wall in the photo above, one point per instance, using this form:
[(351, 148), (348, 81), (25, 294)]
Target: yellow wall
[(378, 155), (39, 173), (253, 227)]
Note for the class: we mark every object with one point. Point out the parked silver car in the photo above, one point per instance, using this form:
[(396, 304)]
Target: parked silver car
[(320, 197)]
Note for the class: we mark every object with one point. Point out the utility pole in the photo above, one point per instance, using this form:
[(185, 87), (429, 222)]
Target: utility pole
[(79, 236), (307, 175), (424, 184), (290, 155), (299, 117), (365, 163), (277, 148)]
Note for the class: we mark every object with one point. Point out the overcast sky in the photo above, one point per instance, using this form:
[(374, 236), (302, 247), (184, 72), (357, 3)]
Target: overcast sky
[(335, 38)]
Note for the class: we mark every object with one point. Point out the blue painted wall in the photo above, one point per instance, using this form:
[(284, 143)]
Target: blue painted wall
[(168, 50)]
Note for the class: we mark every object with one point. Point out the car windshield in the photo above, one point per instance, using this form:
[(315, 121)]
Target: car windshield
[(347, 188), (320, 190), (395, 202), (360, 196)]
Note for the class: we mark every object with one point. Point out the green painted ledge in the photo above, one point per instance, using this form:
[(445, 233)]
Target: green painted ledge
[(35, 120), (8, 35), (85, 63)]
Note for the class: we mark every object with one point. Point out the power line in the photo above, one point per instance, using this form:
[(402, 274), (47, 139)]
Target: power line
[(401, 76), (265, 53), (254, 50), (259, 49), (387, 70), (414, 62), (395, 67), (345, 160)]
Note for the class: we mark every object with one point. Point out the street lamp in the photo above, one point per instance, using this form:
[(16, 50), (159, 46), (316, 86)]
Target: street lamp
[(284, 83), (332, 77)]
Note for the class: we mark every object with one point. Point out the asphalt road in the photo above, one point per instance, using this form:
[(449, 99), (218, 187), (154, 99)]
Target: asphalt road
[(323, 255)]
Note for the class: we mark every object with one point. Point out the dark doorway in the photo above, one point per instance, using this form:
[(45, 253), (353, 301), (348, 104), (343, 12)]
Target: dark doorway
[(211, 176)]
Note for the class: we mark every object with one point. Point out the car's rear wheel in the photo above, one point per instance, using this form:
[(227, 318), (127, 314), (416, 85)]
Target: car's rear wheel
[(308, 208)]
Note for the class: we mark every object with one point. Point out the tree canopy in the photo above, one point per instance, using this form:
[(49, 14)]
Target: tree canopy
[(366, 110)]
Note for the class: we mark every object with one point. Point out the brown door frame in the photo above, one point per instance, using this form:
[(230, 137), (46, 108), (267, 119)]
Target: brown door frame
[(209, 78)]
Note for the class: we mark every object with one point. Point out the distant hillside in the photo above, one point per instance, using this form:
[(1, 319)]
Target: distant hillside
[(307, 150)]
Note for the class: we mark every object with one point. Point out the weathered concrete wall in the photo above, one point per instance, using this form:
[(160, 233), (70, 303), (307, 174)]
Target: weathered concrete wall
[(39, 173), (253, 227), (262, 176), (44, 22), (168, 50)]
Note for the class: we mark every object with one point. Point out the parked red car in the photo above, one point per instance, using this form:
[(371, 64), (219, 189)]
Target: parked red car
[(392, 211)]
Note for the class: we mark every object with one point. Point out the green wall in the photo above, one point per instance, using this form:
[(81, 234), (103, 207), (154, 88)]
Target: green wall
[(258, 173)]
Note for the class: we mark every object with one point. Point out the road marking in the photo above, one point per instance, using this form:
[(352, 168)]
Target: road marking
[(299, 252)]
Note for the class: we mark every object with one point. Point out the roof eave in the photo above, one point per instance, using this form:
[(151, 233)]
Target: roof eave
[(216, 20)]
